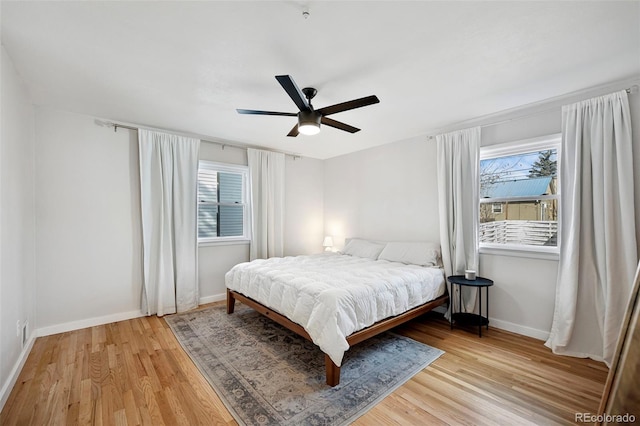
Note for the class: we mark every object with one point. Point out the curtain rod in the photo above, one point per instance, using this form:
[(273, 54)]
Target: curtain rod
[(633, 89), (222, 144)]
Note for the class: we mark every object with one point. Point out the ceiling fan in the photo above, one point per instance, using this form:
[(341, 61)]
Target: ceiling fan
[(309, 119)]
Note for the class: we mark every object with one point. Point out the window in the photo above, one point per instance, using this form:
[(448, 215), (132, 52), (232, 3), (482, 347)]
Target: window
[(223, 202), (519, 195)]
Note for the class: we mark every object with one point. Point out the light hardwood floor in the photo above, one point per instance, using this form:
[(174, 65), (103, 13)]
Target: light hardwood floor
[(135, 372)]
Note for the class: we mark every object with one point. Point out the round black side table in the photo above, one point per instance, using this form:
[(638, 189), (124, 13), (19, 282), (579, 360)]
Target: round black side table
[(467, 318)]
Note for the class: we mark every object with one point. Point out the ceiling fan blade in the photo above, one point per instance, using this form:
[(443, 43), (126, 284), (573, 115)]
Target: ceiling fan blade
[(294, 132), (345, 106), (294, 92), (257, 112), (338, 125)]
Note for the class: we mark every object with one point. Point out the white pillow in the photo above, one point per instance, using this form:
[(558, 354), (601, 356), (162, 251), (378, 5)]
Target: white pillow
[(423, 254), (363, 248)]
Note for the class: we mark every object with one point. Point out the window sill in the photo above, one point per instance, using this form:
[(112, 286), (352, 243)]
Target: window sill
[(232, 242), (544, 253)]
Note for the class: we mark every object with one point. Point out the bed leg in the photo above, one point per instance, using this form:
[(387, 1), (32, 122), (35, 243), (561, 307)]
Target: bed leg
[(231, 302), (332, 370)]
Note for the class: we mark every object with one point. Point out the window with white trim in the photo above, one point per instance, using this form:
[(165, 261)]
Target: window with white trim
[(519, 195), (223, 202)]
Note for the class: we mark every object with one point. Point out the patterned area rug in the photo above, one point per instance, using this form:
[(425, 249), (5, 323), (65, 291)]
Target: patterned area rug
[(267, 375)]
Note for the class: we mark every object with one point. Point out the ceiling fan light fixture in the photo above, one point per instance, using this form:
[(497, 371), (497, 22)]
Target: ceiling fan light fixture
[(309, 122), (309, 119), (309, 129)]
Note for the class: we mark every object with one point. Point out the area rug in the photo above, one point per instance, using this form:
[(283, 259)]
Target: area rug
[(268, 375)]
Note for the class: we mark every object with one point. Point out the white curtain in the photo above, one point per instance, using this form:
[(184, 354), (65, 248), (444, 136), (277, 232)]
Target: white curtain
[(458, 196), (168, 188), (598, 251), (267, 202)]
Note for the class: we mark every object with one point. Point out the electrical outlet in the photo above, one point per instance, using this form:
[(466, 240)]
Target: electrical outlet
[(24, 332), (18, 329)]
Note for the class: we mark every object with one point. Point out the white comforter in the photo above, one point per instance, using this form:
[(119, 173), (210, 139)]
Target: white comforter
[(333, 295)]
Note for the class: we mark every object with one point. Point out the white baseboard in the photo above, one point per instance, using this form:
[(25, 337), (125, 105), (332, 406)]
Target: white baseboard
[(107, 319), (214, 298), (7, 387), (519, 329), (89, 322), (508, 326)]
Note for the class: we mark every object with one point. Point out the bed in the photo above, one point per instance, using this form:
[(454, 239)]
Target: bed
[(339, 299)]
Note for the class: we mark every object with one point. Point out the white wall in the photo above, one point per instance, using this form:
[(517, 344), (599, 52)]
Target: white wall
[(17, 224), (390, 193), (385, 193), (88, 241), (304, 201), (88, 226)]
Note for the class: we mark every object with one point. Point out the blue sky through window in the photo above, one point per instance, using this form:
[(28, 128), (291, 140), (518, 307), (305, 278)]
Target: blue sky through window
[(508, 168)]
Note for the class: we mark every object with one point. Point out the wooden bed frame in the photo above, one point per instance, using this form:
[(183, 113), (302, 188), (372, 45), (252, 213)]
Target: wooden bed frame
[(332, 370)]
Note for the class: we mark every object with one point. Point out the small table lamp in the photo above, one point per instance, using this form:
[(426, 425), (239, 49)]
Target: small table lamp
[(327, 243)]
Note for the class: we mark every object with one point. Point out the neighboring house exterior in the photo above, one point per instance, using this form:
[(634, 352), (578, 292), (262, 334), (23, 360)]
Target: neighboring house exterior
[(519, 210), (522, 211)]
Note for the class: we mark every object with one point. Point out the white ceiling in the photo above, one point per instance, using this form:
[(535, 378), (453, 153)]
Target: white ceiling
[(187, 66)]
